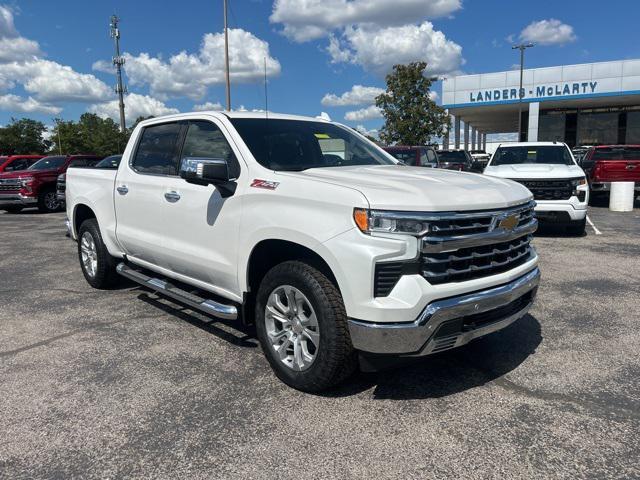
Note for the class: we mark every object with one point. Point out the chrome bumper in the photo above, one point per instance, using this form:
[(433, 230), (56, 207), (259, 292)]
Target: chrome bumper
[(14, 199), (451, 322)]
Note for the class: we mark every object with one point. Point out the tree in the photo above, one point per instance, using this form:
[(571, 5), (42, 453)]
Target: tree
[(90, 134), (411, 117), (23, 137)]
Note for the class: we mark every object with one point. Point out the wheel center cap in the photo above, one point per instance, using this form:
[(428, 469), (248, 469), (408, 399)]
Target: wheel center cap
[(296, 325)]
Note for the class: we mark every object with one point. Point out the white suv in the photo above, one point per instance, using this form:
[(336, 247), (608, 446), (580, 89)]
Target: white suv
[(549, 170)]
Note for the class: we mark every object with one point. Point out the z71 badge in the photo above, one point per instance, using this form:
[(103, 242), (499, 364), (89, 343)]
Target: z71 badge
[(257, 183)]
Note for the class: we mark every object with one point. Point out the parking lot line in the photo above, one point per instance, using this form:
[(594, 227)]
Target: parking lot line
[(595, 229)]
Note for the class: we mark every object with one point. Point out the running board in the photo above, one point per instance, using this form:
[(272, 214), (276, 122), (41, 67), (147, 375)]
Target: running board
[(227, 312)]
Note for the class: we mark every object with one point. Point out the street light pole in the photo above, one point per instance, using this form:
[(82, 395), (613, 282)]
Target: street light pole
[(226, 56), (522, 47)]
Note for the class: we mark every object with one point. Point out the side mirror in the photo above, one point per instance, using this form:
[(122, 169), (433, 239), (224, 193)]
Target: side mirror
[(208, 171)]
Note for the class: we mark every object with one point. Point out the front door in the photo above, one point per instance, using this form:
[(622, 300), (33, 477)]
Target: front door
[(202, 227)]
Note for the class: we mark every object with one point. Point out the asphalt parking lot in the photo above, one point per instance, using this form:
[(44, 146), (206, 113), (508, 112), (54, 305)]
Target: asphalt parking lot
[(124, 384)]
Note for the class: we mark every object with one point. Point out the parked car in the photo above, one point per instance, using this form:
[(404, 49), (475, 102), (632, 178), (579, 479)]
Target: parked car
[(108, 162), (612, 163), (550, 172), (480, 160), (13, 163), (460, 160), (416, 156), (244, 218), (36, 186), (579, 152)]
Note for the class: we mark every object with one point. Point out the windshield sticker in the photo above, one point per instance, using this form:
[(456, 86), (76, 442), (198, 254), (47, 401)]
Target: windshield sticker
[(269, 185), (321, 135)]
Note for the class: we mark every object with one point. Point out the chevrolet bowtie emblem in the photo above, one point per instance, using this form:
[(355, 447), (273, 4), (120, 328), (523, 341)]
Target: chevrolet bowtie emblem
[(508, 223)]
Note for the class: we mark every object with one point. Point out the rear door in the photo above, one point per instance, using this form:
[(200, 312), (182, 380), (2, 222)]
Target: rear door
[(139, 196)]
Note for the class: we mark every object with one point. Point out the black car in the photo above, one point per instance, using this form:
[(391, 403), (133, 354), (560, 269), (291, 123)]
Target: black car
[(460, 160), (109, 162)]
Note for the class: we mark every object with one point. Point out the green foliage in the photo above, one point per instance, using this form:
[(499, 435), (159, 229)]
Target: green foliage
[(411, 117), (23, 137), (90, 134)]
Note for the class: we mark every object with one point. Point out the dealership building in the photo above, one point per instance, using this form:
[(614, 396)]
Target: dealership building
[(586, 104)]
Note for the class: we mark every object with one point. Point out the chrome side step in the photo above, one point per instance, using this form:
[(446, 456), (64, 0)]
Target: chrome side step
[(227, 312)]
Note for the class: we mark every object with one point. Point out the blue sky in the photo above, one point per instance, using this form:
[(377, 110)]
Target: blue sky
[(55, 56)]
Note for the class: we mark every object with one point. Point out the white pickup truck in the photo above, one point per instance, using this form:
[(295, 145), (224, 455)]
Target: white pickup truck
[(333, 249), (550, 172)]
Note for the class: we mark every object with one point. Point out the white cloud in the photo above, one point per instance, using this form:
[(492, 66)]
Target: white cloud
[(15, 103), (190, 74), (207, 106), (377, 50), (135, 106), (305, 20), (48, 83), (548, 32), (433, 95), (364, 131), (358, 95), (368, 113)]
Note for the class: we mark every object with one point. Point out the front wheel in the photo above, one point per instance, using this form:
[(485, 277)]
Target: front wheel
[(302, 326), (577, 227), (98, 266), (48, 201)]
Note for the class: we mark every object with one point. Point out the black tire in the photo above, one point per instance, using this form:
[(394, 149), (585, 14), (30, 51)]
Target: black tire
[(12, 209), (335, 358), (48, 201), (104, 275), (577, 227)]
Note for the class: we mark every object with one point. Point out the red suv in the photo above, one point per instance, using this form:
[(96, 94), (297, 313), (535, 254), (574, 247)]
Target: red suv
[(36, 186), (13, 163), (611, 163)]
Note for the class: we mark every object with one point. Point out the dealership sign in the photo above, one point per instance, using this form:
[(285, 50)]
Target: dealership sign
[(535, 92)]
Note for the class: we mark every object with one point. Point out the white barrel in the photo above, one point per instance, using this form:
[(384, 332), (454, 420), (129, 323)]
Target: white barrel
[(621, 196)]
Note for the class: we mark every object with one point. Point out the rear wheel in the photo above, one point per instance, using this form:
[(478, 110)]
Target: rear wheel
[(48, 201), (302, 327), (577, 227), (98, 266)]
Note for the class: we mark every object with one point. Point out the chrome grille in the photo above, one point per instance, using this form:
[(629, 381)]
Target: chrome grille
[(9, 185), (464, 246)]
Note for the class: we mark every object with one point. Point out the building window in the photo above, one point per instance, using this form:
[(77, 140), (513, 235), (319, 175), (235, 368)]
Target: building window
[(551, 127), (598, 128), (633, 128)]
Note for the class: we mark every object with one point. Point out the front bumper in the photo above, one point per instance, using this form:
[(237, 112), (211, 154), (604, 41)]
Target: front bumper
[(449, 323), (16, 200)]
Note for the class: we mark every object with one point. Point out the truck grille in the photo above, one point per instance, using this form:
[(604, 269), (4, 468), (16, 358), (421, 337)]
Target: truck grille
[(9, 185), (465, 246), (548, 189), (475, 262)]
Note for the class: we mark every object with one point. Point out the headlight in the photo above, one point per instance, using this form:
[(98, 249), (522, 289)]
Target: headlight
[(389, 222), (576, 182), (25, 181)]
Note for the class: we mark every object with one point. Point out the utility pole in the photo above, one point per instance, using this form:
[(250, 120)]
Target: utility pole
[(118, 62), (226, 57), (522, 47)]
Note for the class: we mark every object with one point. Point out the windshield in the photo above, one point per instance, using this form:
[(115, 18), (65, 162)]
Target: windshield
[(617, 153), (449, 156), (541, 154), (296, 145), (110, 162), (48, 163)]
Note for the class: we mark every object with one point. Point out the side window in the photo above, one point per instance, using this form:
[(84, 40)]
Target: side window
[(17, 165), (157, 151), (429, 157), (204, 139)]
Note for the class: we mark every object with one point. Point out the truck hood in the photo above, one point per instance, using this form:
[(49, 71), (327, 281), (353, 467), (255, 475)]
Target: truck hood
[(27, 173), (395, 187), (535, 171)]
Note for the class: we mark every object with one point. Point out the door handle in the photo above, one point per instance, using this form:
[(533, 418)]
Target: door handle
[(122, 190), (172, 197)]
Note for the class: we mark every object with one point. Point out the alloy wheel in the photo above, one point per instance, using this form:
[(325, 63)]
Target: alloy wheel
[(89, 254)]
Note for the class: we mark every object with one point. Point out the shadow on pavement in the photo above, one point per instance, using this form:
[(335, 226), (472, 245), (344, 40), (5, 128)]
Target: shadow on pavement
[(441, 375)]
